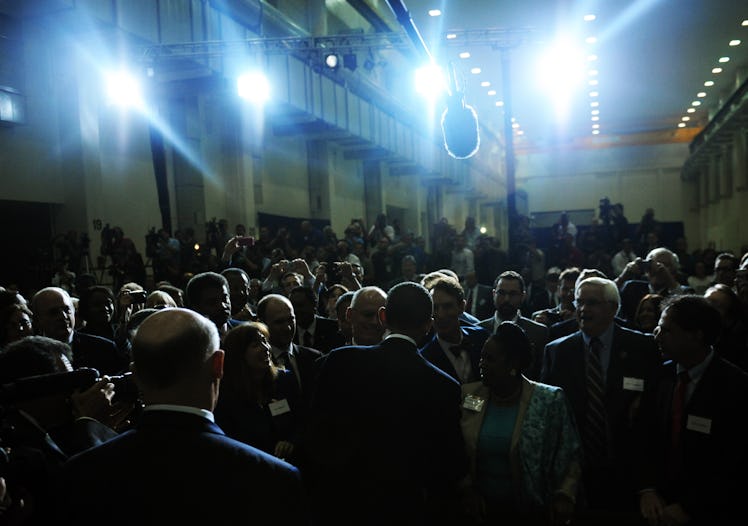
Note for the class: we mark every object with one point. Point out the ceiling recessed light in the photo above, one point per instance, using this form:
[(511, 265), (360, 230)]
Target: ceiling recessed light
[(709, 83), (593, 82), (595, 132), (434, 12), (590, 40), (491, 92), (465, 54), (485, 84), (716, 70), (595, 126), (595, 112), (514, 119), (451, 36), (520, 132), (686, 118), (594, 104), (594, 94), (591, 58), (589, 18), (475, 71), (696, 103), (734, 43), (515, 125), (744, 23), (722, 60), (499, 103), (701, 94), (681, 125), (691, 110), (592, 73), (595, 118)]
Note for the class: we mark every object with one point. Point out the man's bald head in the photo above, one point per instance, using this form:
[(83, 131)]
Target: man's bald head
[(54, 314), (171, 347), (363, 314)]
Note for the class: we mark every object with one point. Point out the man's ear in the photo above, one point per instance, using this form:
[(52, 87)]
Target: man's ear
[(462, 306), (348, 314), (382, 314), (216, 363)]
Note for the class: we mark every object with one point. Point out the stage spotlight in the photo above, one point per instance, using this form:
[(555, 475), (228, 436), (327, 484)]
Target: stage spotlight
[(123, 89), (332, 60), (430, 81), (350, 61), (254, 87)]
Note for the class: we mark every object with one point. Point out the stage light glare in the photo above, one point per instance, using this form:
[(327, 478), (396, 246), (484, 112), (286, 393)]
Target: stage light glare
[(430, 81), (123, 89), (483, 230), (332, 61), (253, 87)]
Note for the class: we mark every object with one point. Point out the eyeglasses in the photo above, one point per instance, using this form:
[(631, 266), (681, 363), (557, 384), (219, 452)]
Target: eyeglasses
[(590, 303)]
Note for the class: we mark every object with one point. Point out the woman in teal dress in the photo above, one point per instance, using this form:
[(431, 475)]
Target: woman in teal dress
[(521, 440)]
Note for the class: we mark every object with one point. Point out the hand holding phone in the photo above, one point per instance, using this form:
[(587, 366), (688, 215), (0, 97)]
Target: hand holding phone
[(245, 241)]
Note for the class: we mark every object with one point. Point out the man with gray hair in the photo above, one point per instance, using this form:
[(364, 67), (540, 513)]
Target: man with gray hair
[(177, 466), (363, 315), (603, 368)]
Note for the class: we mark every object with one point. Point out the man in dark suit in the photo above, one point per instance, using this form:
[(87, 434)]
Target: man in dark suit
[(54, 317), (508, 294), (603, 368), (454, 349), (478, 297), (277, 312), (177, 466), (385, 436), (208, 294), (312, 330), (692, 460)]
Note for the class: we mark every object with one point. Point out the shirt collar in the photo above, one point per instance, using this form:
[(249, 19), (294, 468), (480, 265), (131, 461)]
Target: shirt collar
[(402, 337), (606, 337), (277, 351), (697, 371), (497, 320), (202, 413)]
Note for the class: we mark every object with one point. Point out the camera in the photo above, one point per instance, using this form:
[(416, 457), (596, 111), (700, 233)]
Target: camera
[(245, 241), (138, 296)]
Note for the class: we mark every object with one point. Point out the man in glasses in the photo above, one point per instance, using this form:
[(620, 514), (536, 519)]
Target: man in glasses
[(603, 368), (508, 294)]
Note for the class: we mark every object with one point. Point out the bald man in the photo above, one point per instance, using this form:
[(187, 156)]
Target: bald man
[(177, 466), (54, 317), (363, 315)]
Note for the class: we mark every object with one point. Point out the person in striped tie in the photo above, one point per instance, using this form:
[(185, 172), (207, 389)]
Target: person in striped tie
[(603, 369)]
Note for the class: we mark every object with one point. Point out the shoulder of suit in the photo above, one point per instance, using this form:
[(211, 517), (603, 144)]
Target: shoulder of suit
[(527, 322), (90, 338), (474, 330), (567, 340), (300, 349)]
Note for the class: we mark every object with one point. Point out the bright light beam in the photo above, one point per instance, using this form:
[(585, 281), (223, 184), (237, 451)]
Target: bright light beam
[(561, 72), (253, 87), (123, 89), (430, 82)]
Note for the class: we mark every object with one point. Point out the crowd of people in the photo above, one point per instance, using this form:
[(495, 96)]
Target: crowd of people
[(305, 379)]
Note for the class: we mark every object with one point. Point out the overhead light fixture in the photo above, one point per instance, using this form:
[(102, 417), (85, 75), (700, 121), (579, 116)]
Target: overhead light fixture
[(465, 54), (594, 118), (595, 112), (691, 110), (515, 125), (591, 40), (595, 126), (744, 23), (594, 104), (485, 84), (520, 132), (696, 103), (451, 36), (709, 83), (593, 82), (734, 43), (595, 132), (332, 60), (123, 89), (350, 61), (591, 58), (435, 12), (592, 73), (685, 118), (594, 94), (701, 94), (589, 18), (499, 103), (681, 125), (723, 60), (475, 71), (716, 70), (491, 92), (254, 87)]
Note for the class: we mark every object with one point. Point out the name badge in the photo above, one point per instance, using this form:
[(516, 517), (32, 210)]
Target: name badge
[(473, 403), (633, 384), (279, 407), (699, 424)]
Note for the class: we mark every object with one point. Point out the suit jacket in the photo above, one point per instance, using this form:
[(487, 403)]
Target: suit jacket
[(326, 335), (633, 355), (473, 339), (545, 453), (538, 335), (711, 486), (482, 303), (96, 352), (384, 431), (178, 468), (305, 369)]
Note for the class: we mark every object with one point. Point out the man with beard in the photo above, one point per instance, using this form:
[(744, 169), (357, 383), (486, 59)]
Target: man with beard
[(508, 294), (208, 294)]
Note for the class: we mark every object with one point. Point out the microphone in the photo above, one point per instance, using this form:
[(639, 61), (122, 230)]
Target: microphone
[(459, 124)]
